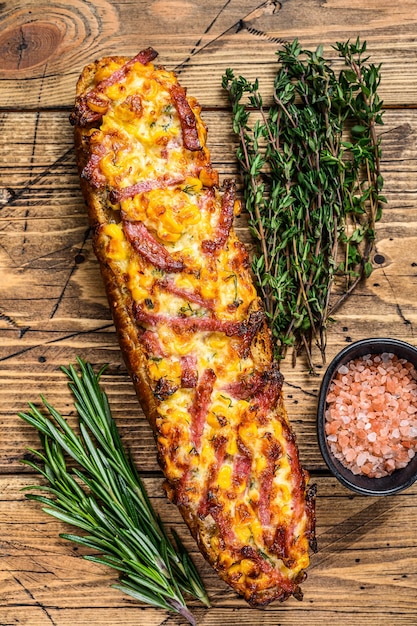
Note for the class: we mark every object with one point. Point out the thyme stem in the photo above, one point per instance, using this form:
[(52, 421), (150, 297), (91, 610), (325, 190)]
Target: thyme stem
[(313, 197)]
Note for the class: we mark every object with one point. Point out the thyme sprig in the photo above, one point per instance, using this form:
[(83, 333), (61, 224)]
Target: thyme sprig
[(104, 496), (312, 185)]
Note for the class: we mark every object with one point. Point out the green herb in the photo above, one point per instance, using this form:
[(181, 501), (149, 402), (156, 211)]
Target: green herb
[(105, 497), (312, 186), (189, 190), (187, 309)]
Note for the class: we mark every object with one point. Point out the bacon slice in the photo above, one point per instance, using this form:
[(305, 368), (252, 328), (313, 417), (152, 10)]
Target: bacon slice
[(189, 296), (144, 57), (241, 469), (272, 453), (246, 387), (161, 182), (208, 493), (257, 385), (199, 407), (256, 321), (151, 343), (189, 324), (193, 324), (268, 395), (148, 247), (91, 107), (187, 118), (225, 219), (189, 371), (91, 171)]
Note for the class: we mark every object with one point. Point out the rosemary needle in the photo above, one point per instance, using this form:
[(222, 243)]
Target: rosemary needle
[(105, 497)]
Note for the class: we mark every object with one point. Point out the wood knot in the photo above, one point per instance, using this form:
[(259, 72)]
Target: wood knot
[(51, 35), (379, 259), (28, 45)]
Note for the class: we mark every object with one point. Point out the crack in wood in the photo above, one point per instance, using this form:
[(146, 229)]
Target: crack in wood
[(304, 391), (31, 165), (269, 7), (78, 333), (15, 195), (402, 316), (21, 47), (48, 255), (398, 308), (71, 272), (6, 318), (32, 597), (262, 35), (210, 26)]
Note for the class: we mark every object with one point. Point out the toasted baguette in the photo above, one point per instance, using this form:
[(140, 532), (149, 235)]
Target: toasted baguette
[(191, 327)]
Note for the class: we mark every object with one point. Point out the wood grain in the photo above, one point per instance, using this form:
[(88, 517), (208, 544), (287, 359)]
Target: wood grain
[(356, 536), (53, 306), (43, 47)]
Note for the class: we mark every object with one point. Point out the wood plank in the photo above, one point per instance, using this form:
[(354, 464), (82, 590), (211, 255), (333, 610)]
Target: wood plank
[(362, 573), (53, 306), (42, 58)]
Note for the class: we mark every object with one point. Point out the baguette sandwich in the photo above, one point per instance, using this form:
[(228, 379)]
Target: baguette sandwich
[(191, 327)]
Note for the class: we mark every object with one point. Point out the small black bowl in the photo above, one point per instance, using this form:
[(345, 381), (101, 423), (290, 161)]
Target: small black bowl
[(387, 485)]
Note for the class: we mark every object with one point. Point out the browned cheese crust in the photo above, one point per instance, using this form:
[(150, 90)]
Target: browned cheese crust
[(190, 325)]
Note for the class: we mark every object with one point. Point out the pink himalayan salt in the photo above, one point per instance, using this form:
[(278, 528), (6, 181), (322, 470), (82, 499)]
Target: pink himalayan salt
[(371, 414)]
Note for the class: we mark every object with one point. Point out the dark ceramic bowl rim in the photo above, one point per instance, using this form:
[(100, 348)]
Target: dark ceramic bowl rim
[(387, 485)]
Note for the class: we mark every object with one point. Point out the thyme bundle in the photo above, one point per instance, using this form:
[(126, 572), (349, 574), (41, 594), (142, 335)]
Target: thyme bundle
[(105, 498), (310, 164)]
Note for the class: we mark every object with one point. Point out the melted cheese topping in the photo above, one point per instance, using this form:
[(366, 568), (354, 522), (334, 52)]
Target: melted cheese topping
[(232, 461)]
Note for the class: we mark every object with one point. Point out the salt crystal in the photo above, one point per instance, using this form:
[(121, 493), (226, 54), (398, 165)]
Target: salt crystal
[(383, 395), (362, 458), (350, 455)]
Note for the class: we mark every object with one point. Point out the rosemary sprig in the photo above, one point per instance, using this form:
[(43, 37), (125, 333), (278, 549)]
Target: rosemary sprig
[(312, 185), (104, 496)]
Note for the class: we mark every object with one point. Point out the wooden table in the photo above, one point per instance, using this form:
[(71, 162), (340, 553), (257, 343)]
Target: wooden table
[(53, 306)]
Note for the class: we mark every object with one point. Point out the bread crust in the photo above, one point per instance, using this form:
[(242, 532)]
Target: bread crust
[(259, 578)]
